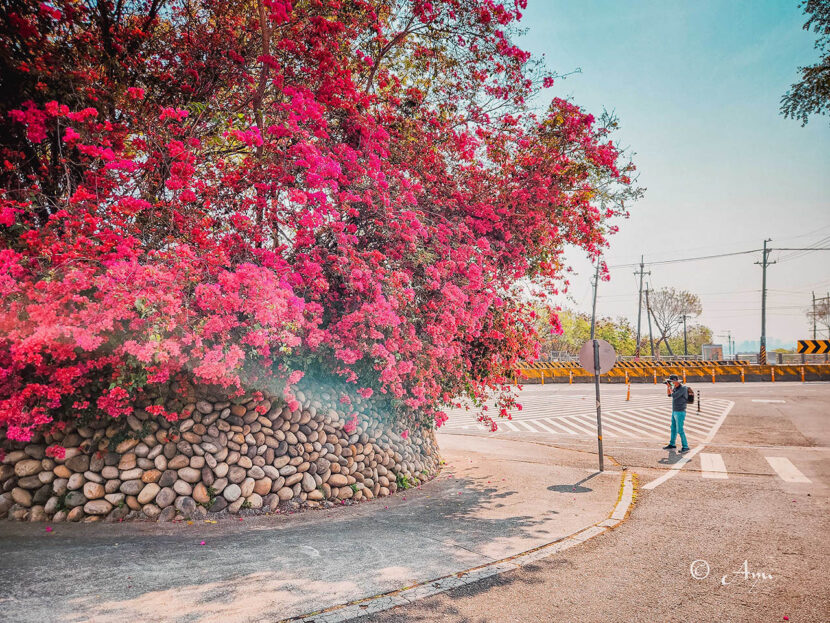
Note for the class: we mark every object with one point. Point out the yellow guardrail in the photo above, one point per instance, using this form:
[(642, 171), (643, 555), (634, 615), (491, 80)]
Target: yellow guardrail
[(709, 371)]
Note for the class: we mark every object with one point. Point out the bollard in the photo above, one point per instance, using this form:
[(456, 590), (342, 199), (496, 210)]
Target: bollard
[(698, 402), (655, 375), (742, 376), (772, 370), (684, 375), (802, 374), (626, 377), (570, 377), (713, 375), (542, 376), (628, 395)]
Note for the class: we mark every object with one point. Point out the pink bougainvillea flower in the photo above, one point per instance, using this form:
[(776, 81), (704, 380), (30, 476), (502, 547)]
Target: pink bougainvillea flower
[(360, 220)]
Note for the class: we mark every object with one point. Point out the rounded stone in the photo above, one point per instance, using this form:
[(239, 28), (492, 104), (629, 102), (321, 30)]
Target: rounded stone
[(338, 480), (74, 498), (263, 486), (178, 462), (93, 491), (168, 478), (127, 461), (186, 505), (151, 510), (114, 498), (200, 493), (78, 463), (254, 500), (308, 482), (232, 493), (22, 497), (182, 488), (286, 493), (131, 487), (165, 497), (132, 474), (219, 504), (247, 487), (27, 468), (190, 474), (125, 446), (97, 507), (148, 493), (236, 474), (76, 481), (152, 475)]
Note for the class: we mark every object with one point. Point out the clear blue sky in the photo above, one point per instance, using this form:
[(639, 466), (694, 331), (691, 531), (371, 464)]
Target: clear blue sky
[(696, 86)]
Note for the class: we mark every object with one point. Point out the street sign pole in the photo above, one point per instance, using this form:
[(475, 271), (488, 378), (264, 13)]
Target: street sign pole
[(597, 368), (599, 405)]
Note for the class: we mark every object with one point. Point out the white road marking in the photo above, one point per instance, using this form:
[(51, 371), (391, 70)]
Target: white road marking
[(712, 465), (581, 426), (541, 424), (526, 425), (786, 470), (510, 425), (765, 400)]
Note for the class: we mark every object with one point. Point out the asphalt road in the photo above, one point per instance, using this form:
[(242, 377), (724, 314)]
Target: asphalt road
[(736, 533)]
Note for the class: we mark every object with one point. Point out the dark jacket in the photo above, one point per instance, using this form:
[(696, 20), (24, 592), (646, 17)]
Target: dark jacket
[(679, 398)]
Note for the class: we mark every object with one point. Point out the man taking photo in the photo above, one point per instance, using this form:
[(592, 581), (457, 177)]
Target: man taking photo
[(679, 399)]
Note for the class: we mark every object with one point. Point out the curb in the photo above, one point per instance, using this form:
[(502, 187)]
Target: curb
[(410, 594)]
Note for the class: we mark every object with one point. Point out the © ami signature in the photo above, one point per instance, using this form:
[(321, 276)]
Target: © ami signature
[(700, 570)]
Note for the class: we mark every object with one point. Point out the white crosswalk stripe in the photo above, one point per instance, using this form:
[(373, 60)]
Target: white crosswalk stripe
[(712, 465), (786, 470), (546, 412)]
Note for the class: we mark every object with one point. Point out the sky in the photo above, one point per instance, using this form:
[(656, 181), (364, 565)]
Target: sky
[(696, 86)]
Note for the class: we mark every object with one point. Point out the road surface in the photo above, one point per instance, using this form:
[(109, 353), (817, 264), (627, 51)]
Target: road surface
[(738, 532)]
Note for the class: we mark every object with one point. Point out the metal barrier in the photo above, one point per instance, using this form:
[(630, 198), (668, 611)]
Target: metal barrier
[(713, 371)]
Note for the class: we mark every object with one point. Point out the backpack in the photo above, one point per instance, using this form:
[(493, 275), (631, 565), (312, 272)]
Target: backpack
[(690, 395)]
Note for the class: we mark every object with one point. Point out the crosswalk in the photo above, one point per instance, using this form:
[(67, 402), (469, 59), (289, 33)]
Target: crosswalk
[(712, 465), (643, 417)]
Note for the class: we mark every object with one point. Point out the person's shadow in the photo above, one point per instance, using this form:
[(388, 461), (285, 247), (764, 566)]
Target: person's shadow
[(574, 488), (673, 458)]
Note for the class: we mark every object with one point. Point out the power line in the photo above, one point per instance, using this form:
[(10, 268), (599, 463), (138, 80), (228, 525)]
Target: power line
[(687, 259)]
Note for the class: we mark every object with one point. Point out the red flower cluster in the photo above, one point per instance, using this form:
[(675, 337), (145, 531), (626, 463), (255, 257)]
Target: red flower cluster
[(353, 189)]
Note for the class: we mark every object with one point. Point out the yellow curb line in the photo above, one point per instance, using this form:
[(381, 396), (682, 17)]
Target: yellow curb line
[(624, 506)]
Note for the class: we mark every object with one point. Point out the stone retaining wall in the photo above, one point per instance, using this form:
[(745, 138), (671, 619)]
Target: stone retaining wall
[(223, 456)]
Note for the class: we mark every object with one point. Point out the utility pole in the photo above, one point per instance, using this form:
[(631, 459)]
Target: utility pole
[(640, 305), (648, 315), (762, 357), (685, 342)]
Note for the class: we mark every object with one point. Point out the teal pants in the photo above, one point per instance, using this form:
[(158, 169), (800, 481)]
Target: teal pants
[(677, 419)]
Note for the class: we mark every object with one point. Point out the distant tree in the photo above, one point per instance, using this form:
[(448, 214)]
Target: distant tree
[(576, 330), (811, 95), (668, 306), (696, 336)]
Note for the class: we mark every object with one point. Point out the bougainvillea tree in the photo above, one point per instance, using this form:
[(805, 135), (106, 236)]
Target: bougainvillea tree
[(242, 192)]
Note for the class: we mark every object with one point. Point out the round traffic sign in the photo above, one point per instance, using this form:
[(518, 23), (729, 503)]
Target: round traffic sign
[(607, 356)]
